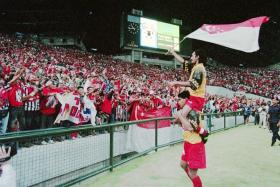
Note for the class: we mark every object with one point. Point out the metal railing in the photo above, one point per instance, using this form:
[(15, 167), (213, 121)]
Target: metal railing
[(54, 172)]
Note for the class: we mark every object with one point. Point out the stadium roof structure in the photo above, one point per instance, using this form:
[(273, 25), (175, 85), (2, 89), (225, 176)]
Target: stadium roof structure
[(98, 22)]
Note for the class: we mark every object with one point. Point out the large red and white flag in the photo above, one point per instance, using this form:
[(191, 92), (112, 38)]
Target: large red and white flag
[(75, 110), (242, 36)]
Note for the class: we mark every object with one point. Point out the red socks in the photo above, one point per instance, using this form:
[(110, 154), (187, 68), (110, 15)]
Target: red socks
[(197, 182)]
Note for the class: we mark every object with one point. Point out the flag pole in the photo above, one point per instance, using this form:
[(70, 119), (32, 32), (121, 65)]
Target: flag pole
[(176, 45)]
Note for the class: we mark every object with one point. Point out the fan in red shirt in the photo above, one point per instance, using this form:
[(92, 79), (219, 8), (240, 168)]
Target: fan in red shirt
[(106, 107), (48, 104), (156, 101), (15, 95)]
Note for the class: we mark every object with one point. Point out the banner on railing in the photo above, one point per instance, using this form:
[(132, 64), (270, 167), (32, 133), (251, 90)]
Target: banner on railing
[(139, 113)]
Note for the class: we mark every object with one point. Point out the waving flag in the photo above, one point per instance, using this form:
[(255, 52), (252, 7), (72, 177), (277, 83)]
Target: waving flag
[(242, 36), (75, 109)]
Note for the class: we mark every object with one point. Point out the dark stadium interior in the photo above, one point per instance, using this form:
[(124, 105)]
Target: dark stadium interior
[(97, 23)]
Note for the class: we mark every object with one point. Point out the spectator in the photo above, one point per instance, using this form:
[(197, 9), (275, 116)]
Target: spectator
[(15, 96), (31, 104), (263, 115), (247, 112), (4, 107)]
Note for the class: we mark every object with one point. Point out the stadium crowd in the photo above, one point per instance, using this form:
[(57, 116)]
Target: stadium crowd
[(258, 81), (42, 86), (33, 76)]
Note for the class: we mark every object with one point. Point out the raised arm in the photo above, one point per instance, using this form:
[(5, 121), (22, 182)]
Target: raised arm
[(177, 56), (16, 76)]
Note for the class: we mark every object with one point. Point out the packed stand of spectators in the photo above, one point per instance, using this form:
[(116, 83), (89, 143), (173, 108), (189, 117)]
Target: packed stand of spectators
[(258, 81), (36, 80)]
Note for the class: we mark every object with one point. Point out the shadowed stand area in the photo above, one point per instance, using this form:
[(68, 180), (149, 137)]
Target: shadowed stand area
[(239, 157)]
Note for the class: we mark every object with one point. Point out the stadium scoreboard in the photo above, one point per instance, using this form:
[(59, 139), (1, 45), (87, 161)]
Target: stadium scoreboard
[(146, 33)]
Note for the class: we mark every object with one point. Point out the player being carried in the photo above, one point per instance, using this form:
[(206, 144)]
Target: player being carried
[(191, 102)]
